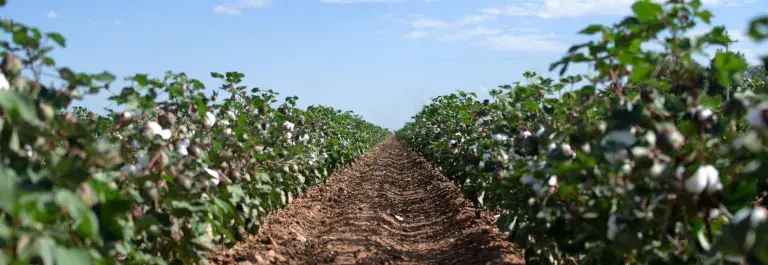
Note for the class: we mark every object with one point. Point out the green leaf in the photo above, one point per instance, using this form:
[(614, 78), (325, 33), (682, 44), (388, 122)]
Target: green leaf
[(705, 16), (57, 38), (85, 221), (591, 29), (647, 10), (66, 256), (7, 188), (46, 249)]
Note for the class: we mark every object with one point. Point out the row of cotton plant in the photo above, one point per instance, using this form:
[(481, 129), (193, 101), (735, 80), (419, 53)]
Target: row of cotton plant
[(655, 159), (161, 181)]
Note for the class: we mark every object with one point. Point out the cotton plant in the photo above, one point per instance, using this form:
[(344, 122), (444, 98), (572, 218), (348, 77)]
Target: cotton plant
[(167, 155), (636, 152)]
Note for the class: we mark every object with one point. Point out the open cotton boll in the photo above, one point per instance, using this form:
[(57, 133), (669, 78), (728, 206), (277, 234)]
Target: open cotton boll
[(452, 143), (156, 129), (757, 117), (182, 145), (304, 138), (525, 134), (500, 137), (756, 215), (210, 119), (232, 115), (288, 126), (4, 85), (552, 181), (706, 177), (703, 114), (214, 176), (228, 131)]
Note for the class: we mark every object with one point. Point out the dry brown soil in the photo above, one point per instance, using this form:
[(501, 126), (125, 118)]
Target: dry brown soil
[(390, 207)]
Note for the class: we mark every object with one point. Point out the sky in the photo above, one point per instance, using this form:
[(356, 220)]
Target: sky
[(383, 59)]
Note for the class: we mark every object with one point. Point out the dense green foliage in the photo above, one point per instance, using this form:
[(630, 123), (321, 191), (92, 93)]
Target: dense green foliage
[(654, 160), (161, 182)]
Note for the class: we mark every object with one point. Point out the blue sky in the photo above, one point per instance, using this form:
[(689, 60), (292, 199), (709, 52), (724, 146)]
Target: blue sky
[(383, 59)]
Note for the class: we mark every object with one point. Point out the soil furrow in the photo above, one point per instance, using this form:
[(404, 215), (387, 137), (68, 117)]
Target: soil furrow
[(390, 207)]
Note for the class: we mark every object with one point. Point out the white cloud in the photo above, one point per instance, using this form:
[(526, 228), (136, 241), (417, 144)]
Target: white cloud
[(236, 8), (416, 34), (549, 9), (52, 14), (423, 23), (528, 43), (359, 1), (466, 35)]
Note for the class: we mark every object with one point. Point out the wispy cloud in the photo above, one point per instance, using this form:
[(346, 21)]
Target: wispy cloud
[(466, 35), (416, 34), (236, 8), (552, 9), (523, 43), (359, 1), (52, 14)]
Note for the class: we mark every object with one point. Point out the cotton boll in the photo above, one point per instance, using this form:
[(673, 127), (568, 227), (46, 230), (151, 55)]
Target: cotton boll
[(757, 118), (214, 175), (707, 178), (210, 119)]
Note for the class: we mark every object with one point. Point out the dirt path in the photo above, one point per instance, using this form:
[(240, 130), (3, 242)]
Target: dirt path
[(390, 207)]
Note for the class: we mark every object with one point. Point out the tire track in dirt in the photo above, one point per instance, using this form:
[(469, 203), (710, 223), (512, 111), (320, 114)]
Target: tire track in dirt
[(390, 207)]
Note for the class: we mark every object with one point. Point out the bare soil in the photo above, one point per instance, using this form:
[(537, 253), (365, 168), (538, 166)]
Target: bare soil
[(390, 207)]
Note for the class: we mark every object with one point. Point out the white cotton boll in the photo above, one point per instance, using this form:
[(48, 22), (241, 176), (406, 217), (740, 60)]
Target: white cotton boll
[(527, 179), (625, 138), (228, 131), (540, 131), (714, 213), (706, 177), (525, 134), (613, 228), (214, 176), (288, 126), (210, 119), (165, 134), (119, 137), (703, 114), (551, 147), (304, 138), (627, 168), (500, 137), (757, 216), (452, 143), (4, 85), (568, 150), (232, 115), (756, 119), (182, 145), (225, 123), (504, 157), (552, 182)]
